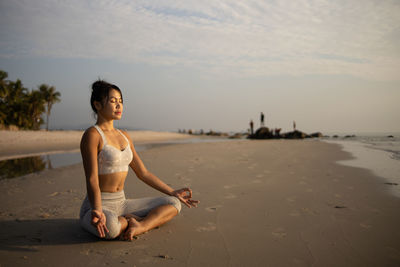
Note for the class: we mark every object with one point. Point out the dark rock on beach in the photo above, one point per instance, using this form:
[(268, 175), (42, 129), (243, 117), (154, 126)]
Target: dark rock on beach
[(262, 133), (295, 135), (317, 134), (265, 133)]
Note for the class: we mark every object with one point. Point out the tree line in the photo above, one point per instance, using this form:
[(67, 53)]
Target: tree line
[(22, 107)]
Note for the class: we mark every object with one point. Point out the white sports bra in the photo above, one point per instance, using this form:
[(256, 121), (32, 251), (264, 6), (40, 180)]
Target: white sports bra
[(111, 159)]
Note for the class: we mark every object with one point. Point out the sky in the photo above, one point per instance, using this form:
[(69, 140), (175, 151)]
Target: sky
[(331, 66)]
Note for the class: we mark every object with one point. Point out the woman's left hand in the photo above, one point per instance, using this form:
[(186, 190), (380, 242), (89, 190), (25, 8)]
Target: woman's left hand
[(185, 196)]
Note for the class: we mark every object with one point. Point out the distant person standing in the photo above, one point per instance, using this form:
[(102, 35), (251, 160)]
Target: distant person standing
[(262, 119), (294, 126), (251, 127)]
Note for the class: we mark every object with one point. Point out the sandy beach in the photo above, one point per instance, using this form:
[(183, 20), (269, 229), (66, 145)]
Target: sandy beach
[(263, 203), (17, 144)]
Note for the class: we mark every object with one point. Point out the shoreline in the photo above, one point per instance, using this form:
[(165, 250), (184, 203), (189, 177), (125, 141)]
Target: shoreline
[(378, 161)]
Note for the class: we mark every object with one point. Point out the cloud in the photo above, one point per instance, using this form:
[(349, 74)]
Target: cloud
[(247, 38)]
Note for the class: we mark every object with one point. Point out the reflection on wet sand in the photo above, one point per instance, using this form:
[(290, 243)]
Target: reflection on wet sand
[(22, 166), (18, 167)]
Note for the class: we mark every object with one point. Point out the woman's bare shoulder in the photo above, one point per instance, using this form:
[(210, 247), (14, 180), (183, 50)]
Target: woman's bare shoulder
[(91, 134)]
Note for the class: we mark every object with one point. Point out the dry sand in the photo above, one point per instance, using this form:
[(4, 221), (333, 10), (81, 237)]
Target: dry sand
[(263, 203)]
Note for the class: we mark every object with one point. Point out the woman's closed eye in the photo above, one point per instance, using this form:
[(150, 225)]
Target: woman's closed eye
[(116, 100)]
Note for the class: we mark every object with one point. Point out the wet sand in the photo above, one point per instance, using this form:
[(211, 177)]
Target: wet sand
[(263, 203)]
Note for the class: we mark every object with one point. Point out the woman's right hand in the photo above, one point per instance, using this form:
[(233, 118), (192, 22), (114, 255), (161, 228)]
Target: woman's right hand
[(99, 221)]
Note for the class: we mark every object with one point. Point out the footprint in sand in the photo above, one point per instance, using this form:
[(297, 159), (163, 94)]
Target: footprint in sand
[(279, 233), (311, 212), (365, 225), (86, 252), (214, 208), (54, 194), (230, 196), (242, 160), (180, 176), (196, 160), (183, 178), (252, 166), (119, 252), (208, 228), (145, 260), (291, 199), (141, 246)]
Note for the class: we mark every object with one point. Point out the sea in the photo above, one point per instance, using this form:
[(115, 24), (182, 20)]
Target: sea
[(379, 153)]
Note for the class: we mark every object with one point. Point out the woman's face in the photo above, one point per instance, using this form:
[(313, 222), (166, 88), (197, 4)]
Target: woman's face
[(112, 107)]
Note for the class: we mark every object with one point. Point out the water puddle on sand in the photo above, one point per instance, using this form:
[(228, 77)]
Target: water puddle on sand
[(22, 166)]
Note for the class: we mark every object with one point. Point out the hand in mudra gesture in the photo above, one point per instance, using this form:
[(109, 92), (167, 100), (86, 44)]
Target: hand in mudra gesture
[(185, 196), (99, 221)]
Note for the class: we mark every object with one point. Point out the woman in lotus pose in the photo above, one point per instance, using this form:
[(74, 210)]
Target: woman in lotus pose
[(107, 152)]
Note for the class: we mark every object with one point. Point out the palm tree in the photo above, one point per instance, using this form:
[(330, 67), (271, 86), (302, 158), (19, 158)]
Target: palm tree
[(3, 94), (15, 102), (50, 96), (3, 85), (35, 106)]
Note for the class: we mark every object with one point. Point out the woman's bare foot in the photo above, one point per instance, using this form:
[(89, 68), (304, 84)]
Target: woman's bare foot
[(137, 218), (134, 228)]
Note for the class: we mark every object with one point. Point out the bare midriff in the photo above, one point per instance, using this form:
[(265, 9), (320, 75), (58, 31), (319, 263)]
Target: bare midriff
[(112, 182)]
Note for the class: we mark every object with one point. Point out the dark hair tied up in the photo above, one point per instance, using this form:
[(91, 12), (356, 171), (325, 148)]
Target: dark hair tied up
[(100, 91)]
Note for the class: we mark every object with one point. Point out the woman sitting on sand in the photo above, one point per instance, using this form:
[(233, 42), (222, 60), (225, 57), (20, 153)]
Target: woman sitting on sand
[(107, 152)]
